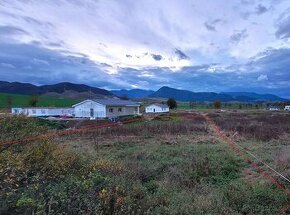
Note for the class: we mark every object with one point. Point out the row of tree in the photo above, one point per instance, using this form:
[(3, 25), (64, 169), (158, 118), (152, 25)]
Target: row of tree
[(240, 105), (32, 101)]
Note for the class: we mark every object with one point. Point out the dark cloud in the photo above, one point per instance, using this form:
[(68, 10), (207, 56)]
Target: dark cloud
[(11, 30), (246, 15), (211, 26), (33, 63), (283, 26), (106, 65), (157, 57), (56, 44), (181, 55), (238, 36), (36, 22), (247, 2), (260, 9)]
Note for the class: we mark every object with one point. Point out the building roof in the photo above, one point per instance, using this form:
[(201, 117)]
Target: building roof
[(160, 105), (112, 102), (116, 102)]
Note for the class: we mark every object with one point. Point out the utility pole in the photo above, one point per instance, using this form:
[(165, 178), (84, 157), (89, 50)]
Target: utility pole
[(96, 137), (96, 141)]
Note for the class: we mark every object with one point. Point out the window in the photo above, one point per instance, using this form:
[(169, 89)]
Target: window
[(136, 108), (119, 109), (42, 111), (34, 111), (111, 110)]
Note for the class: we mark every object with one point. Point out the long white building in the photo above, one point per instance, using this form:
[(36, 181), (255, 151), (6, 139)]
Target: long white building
[(43, 111)]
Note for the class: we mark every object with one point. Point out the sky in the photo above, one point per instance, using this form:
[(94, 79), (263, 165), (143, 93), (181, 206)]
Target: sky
[(212, 45)]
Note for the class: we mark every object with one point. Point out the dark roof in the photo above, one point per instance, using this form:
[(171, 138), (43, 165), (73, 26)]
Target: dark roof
[(160, 105), (111, 102), (116, 102)]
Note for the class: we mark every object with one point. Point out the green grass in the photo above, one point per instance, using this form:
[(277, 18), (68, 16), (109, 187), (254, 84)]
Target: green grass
[(186, 178), (186, 105), (44, 101)]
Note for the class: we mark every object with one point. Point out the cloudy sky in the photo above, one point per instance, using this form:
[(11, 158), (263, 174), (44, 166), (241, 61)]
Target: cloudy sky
[(212, 45)]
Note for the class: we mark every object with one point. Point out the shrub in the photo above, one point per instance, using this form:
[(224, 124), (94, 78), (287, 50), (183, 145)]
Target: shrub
[(172, 103), (26, 173), (217, 105), (248, 198), (19, 127)]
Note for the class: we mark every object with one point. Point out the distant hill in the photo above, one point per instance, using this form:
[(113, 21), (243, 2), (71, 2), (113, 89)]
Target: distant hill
[(255, 96), (132, 94), (18, 88), (64, 89), (185, 95)]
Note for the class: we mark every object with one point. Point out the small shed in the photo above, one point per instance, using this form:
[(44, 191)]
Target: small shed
[(157, 108)]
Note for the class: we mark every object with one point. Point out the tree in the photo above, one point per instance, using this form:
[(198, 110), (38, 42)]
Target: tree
[(9, 101), (172, 103), (191, 104), (124, 97), (32, 101), (217, 105)]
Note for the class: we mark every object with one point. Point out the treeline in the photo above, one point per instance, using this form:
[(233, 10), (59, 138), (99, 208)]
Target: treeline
[(237, 105)]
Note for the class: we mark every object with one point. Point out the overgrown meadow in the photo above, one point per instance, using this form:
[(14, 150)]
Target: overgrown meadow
[(158, 166)]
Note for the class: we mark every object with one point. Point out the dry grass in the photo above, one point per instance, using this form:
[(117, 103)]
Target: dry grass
[(282, 158), (261, 126)]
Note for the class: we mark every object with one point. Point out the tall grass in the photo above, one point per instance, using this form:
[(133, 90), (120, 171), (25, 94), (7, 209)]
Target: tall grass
[(263, 126)]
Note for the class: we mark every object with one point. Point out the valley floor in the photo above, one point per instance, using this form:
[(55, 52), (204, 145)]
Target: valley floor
[(158, 166)]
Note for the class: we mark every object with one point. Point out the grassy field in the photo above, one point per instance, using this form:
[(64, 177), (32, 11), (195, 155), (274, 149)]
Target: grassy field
[(168, 166), (43, 101)]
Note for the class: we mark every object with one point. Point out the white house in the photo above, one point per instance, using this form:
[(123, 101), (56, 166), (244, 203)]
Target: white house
[(43, 111), (101, 108), (287, 107), (274, 109), (157, 108)]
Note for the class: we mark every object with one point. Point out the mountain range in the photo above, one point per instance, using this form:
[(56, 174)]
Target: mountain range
[(64, 89), (185, 95), (82, 91)]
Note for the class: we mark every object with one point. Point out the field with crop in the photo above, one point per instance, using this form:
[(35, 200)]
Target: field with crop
[(43, 101), (152, 166)]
